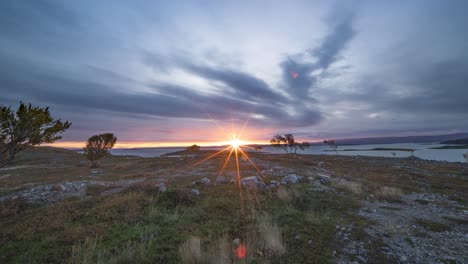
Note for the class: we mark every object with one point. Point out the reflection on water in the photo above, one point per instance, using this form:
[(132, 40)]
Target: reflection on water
[(422, 150)]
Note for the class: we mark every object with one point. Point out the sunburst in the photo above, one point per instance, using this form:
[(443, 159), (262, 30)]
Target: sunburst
[(235, 148)]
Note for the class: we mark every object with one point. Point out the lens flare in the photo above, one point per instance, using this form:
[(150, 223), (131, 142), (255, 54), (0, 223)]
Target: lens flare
[(241, 251)]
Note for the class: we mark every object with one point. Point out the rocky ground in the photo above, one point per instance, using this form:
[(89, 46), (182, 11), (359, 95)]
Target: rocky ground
[(414, 211)]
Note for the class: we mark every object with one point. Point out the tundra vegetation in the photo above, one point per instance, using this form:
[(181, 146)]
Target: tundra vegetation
[(26, 127), (121, 216)]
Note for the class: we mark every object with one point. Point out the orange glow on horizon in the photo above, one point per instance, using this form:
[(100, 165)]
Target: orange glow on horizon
[(81, 144)]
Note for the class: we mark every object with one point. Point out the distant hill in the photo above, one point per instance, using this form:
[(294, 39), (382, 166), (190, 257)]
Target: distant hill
[(462, 141), (408, 139)]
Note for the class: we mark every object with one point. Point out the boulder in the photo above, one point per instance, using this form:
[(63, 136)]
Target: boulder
[(205, 181), (291, 179), (221, 180), (273, 184), (162, 187), (324, 179), (252, 183), (195, 192)]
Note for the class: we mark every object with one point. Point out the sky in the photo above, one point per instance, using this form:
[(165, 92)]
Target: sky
[(159, 73)]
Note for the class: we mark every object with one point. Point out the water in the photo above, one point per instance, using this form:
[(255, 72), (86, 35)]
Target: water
[(422, 150)]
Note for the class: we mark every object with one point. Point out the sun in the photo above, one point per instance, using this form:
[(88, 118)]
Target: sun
[(235, 143)]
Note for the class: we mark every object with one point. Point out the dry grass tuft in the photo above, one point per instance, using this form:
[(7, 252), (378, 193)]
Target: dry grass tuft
[(190, 251), (271, 236), (152, 207), (352, 187), (90, 251), (389, 193), (84, 252), (219, 252), (283, 194)]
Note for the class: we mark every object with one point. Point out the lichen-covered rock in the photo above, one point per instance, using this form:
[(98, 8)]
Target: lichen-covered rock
[(324, 179), (162, 187), (291, 179), (221, 180), (252, 183), (205, 181)]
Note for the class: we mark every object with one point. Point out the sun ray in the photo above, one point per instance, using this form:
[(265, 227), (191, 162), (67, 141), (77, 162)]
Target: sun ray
[(211, 156), (251, 162), (238, 178), (225, 163), (245, 124)]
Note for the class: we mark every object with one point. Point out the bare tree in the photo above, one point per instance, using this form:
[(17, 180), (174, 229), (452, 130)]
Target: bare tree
[(288, 143), (332, 144), (98, 147), (26, 127)]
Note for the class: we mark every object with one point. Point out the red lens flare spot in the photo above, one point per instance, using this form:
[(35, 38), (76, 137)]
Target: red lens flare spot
[(240, 251), (294, 75)]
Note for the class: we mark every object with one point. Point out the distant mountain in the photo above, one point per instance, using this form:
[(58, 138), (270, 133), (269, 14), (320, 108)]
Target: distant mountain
[(408, 139), (463, 141)]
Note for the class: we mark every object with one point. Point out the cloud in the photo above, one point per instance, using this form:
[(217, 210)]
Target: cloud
[(245, 93), (298, 70)]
